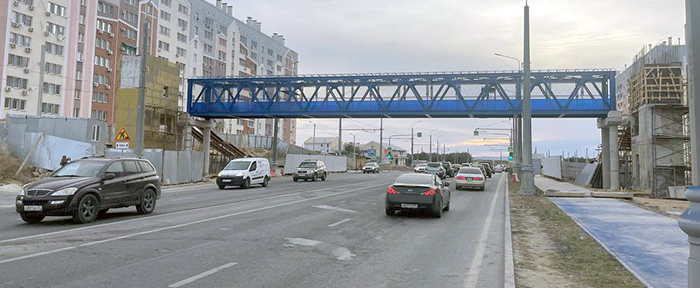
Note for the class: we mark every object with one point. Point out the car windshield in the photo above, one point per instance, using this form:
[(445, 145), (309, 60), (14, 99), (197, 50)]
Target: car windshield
[(421, 165), (80, 169), (415, 179), (469, 171), (434, 165), (237, 165), (307, 165), (371, 164)]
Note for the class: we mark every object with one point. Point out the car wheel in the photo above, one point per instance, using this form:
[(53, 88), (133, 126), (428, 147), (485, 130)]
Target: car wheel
[(86, 211), (324, 176), (221, 187), (390, 211), (148, 202), (447, 207), (246, 183), (102, 213), (266, 181), (314, 179), (482, 188), (295, 179), (32, 218), (437, 210)]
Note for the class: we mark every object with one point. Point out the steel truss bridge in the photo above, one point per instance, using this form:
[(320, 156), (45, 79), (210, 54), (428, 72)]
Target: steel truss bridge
[(555, 93)]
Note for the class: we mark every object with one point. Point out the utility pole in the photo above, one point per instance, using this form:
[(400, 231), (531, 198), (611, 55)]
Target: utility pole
[(274, 142), (527, 178), (313, 148), (381, 139), (413, 157), (40, 99), (340, 136), (141, 110), (430, 148)]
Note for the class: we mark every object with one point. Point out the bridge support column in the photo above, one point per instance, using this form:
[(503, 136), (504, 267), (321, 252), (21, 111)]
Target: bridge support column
[(206, 126), (605, 158), (614, 158), (610, 149)]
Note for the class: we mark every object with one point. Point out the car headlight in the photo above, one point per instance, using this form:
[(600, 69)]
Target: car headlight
[(65, 192), (219, 175), (240, 174)]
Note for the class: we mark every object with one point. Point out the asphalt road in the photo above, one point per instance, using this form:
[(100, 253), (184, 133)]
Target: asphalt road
[(306, 234)]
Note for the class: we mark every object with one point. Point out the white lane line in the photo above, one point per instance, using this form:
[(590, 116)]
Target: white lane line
[(201, 275), (185, 224), (180, 199), (164, 215), (475, 268), (339, 222), (335, 208)]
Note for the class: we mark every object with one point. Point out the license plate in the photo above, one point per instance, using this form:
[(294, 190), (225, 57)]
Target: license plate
[(409, 206), (469, 179), (32, 208), (225, 180)]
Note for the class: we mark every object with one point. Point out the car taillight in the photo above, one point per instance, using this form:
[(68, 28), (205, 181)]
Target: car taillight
[(461, 178), (391, 190), (478, 178), (429, 192)]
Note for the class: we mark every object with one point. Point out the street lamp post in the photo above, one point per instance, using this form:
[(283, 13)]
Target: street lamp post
[(430, 147), (527, 172), (517, 124), (354, 151), (413, 157)]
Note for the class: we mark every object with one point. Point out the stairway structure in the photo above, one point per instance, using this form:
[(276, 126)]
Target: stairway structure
[(224, 148)]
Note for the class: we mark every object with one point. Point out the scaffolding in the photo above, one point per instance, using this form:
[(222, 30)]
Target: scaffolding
[(657, 84), (670, 148)]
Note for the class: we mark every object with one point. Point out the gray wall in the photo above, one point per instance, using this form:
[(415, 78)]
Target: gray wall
[(169, 164)]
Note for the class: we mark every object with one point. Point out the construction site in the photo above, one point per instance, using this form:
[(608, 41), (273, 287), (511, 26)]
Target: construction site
[(654, 140)]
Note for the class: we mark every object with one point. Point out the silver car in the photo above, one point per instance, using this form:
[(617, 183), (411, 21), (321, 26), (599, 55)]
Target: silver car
[(437, 169), (310, 170), (470, 177), (421, 168)]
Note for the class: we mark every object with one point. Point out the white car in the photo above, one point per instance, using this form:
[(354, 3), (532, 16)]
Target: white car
[(244, 172), (470, 177), (498, 168)]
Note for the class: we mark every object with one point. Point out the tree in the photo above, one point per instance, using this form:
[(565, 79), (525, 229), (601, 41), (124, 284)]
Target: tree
[(351, 148)]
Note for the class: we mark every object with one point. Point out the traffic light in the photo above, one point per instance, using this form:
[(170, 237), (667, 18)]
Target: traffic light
[(510, 155), (388, 152)]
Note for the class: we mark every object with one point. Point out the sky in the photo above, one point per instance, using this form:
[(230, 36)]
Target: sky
[(334, 36)]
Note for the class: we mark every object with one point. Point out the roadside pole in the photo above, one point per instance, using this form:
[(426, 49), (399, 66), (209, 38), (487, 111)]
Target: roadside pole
[(381, 138), (690, 220), (40, 93), (141, 109), (527, 176)]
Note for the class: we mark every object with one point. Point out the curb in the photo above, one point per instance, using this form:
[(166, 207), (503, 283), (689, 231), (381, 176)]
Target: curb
[(508, 261)]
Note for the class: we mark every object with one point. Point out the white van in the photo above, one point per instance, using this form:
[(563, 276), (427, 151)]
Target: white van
[(244, 172)]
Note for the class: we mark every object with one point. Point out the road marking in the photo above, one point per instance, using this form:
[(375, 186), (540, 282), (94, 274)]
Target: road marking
[(180, 199), (339, 222), (334, 208), (184, 224), (475, 268), (164, 215), (8, 206), (201, 275)]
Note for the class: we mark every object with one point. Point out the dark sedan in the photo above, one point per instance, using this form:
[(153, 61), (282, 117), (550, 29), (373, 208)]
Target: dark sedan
[(415, 191), (87, 188)]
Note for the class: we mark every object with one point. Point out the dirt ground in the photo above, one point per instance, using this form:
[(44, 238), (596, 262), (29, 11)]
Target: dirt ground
[(551, 250), (670, 208), (9, 167)]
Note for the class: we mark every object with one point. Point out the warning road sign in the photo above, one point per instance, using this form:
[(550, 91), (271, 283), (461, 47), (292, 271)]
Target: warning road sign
[(122, 135)]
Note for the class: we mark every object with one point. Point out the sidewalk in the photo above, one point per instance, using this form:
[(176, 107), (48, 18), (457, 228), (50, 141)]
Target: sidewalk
[(650, 245), (549, 186)]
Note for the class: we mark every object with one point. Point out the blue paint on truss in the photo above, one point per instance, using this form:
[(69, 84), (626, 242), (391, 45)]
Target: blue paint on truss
[(587, 93)]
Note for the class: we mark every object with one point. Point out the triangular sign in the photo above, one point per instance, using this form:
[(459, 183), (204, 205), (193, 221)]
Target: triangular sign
[(122, 135)]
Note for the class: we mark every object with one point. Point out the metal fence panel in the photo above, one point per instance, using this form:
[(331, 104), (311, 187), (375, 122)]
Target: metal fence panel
[(170, 165), (333, 163), (184, 171), (551, 166), (197, 166)]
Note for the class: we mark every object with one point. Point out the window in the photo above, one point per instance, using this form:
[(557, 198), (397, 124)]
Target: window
[(269, 63), (168, 3), (99, 115), (145, 167), (279, 58), (269, 52), (104, 8), (76, 112), (222, 56), (17, 61), (103, 26), (253, 45), (16, 82), (222, 41), (49, 108), (103, 44), (164, 46), (99, 97), (52, 68), (131, 167), (96, 137), (253, 56), (208, 48), (164, 15), (129, 33), (51, 88), (15, 104), (53, 48), (101, 79), (208, 35), (182, 9), (101, 61), (128, 16), (244, 40), (182, 24), (130, 2), (181, 52), (241, 62), (57, 9), (116, 167), (24, 19), (20, 40), (182, 38), (164, 30)]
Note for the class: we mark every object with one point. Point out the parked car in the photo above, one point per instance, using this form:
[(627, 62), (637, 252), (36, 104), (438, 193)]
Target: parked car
[(448, 169), (487, 169), (243, 172), (418, 191), (310, 170), (470, 177), (87, 188), (437, 169), (421, 168), (371, 167)]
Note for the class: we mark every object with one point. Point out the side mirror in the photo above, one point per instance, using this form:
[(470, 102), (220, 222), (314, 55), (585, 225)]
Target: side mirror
[(109, 176)]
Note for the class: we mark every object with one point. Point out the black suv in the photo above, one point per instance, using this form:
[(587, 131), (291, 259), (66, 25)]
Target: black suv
[(89, 187)]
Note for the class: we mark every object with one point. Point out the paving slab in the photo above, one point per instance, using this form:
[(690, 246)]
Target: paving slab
[(621, 195), (550, 185), (555, 193), (650, 245)]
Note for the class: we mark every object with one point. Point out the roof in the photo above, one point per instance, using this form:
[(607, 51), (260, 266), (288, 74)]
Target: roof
[(386, 144), (322, 140)]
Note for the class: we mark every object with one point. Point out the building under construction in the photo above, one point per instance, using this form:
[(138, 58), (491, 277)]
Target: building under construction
[(655, 142)]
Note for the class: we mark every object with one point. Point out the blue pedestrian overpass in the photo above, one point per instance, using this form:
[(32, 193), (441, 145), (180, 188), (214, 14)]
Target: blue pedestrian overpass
[(555, 93)]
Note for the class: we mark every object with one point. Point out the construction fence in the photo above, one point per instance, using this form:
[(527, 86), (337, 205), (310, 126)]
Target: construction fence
[(168, 164)]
